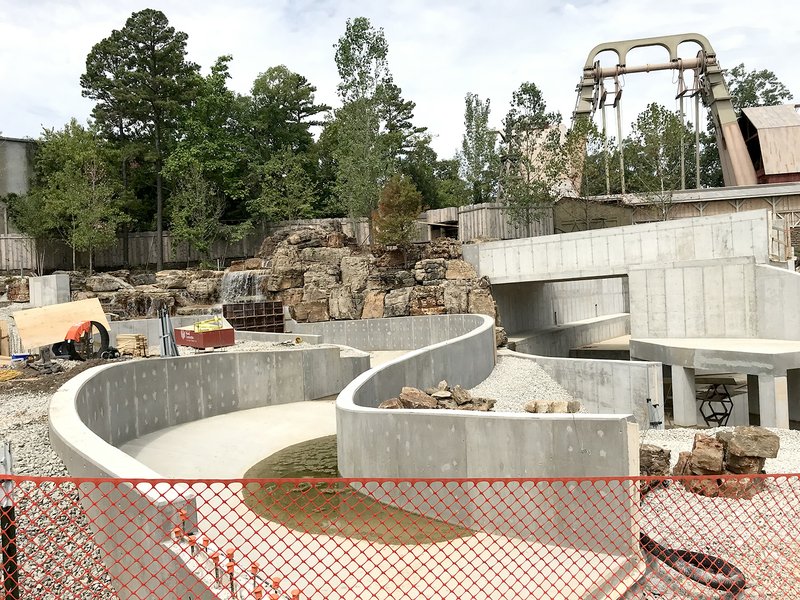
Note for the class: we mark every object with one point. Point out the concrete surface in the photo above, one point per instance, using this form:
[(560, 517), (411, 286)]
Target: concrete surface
[(617, 387), (227, 446), (560, 339), (612, 252), (49, 289)]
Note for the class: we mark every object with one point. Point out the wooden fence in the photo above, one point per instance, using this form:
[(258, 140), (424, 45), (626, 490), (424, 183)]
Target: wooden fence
[(491, 221), (19, 252)]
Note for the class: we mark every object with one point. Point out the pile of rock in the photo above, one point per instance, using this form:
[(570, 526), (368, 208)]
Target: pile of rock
[(441, 397), (127, 295), (553, 406), (322, 275), (742, 451), (15, 289)]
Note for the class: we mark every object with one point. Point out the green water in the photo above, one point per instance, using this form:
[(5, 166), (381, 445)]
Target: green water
[(333, 508)]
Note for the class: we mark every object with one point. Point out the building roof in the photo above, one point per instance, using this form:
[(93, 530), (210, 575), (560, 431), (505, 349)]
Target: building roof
[(772, 117), (778, 130)]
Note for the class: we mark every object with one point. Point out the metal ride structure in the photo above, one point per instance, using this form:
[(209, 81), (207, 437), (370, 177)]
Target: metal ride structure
[(709, 85)]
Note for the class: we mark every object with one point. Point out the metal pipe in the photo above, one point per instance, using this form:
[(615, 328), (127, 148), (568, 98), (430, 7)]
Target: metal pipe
[(605, 152), (685, 63)]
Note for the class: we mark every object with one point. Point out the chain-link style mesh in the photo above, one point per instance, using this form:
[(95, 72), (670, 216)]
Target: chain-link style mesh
[(687, 537)]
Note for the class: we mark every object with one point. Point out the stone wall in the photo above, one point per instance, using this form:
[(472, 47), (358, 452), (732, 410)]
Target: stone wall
[(321, 275)]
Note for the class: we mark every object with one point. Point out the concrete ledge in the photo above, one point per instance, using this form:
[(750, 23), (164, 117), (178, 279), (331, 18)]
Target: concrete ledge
[(609, 386), (559, 340)]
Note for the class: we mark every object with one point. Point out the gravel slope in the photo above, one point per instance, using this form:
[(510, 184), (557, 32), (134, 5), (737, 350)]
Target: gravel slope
[(516, 381)]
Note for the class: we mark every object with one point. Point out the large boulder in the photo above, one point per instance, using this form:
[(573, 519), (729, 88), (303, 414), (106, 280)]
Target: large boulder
[(373, 304), (203, 291), (140, 279), (708, 455), (447, 248), (396, 303), (105, 282), (331, 257), (342, 305), (751, 441), (480, 302), (355, 272), (653, 460), (427, 300), (172, 279), (430, 271), (318, 284), (460, 269), (18, 290), (311, 312), (455, 297), (413, 398)]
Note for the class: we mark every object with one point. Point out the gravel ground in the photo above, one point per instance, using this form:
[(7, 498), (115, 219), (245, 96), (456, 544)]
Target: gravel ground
[(516, 381), (242, 346)]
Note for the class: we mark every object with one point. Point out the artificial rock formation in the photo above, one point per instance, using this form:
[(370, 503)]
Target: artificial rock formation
[(320, 274), (742, 451)]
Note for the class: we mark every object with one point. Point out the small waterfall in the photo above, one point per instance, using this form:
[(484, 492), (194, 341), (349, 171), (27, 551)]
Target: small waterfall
[(243, 286)]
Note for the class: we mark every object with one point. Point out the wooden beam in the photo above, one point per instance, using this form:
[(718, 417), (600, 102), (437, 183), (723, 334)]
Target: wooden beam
[(49, 324)]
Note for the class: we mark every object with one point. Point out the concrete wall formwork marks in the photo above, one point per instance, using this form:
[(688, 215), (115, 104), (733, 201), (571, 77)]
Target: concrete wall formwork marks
[(465, 444), (104, 407), (611, 252)]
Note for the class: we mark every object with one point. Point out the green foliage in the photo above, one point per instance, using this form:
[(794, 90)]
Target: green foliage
[(283, 110), (479, 158), (141, 81), (74, 192), (361, 60), (535, 166), (196, 208), (399, 207), (287, 191), (652, 151), (451, 190)]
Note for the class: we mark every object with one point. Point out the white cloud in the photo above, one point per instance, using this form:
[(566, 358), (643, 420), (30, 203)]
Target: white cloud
[(439, 51)]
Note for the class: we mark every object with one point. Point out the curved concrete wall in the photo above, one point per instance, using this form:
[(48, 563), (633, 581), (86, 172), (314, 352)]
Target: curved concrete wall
[(104, 407), (464, 444)]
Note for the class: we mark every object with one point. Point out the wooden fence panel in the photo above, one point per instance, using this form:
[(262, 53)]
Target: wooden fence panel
[(491, 221)]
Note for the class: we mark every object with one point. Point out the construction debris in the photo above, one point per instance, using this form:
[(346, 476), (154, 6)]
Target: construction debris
[(132, 344)]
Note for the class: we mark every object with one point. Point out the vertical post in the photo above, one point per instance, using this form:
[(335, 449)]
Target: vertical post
[(683, 142), (605, 151), (619, 141), (8, 524), (697, 139), (684, 403)]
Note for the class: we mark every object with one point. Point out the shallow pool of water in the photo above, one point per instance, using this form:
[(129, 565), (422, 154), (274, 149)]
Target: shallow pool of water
[(333, 508)]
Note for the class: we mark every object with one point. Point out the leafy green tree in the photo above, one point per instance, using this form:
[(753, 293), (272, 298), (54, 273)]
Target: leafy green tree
[(479, 157), (398, 209), (361, 160), (213, 140), (75, 191), (451, 190), (652, 151), (141, 73), (283, 109), (747, 88), (196, 209), (535, 168), (287, 191)]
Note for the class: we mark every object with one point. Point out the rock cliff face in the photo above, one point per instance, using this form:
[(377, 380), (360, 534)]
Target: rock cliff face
[(321, 275)]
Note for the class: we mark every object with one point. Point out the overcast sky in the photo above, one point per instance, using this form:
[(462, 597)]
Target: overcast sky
[(438, 50)]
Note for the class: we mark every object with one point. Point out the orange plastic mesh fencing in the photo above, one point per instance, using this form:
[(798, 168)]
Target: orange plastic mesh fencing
[(687, 537)]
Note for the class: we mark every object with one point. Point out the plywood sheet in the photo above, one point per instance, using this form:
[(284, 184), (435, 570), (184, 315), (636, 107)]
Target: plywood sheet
[(5, 348), (49, 324)]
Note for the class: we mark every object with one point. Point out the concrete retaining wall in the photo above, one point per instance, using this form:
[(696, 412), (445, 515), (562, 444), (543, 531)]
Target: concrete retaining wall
[(737, 298), (610, 252), (104, 407), (396, 333), (558, 341), (609, 386), (534, 306), (464, 444)]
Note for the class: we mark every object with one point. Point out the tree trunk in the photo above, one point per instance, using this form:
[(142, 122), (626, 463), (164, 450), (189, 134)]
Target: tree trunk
[(159, 202)]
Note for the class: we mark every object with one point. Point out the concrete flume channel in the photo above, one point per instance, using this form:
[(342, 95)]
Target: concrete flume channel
[(100, 410)]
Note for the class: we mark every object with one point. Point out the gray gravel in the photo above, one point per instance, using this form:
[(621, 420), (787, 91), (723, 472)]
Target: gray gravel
[(516, 381), (58, 558)]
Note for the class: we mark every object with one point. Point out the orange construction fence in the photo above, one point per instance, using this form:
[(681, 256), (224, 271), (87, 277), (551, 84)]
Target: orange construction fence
[(678, 537)]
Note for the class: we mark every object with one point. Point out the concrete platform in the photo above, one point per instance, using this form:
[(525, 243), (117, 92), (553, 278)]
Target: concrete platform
[(742, 355)]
